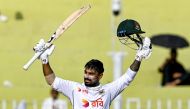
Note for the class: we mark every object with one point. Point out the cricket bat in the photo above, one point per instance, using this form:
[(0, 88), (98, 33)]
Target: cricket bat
[(60, 30)]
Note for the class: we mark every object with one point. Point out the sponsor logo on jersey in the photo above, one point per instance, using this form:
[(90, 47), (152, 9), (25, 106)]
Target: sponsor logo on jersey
[(101, 92), (78, 89), (84, 91), (98, 103), (85, 103)]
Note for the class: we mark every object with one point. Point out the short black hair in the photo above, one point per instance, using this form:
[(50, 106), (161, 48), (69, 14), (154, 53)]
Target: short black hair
[(95, 65)]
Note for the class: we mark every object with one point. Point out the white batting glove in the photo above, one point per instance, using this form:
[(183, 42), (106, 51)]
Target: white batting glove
[(144, 50), (40, 47)]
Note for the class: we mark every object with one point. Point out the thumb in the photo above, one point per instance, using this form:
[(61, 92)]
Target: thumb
[(146, 42), (148, 53), (50, 49), (42, 41)]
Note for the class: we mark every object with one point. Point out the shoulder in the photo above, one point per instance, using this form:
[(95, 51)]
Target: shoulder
[(61, 101), (107, 86), (60, 80)]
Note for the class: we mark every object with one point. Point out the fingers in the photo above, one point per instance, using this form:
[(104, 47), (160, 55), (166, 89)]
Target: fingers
[(146, 42), (44, 56), (40, 46), (148, 54), (50, 49), (41, 41), (146, 50)]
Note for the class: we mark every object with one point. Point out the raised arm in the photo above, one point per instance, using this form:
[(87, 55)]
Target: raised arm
[(135, 65), (121, 83), (47, 71), (143, 52), (64, 86)]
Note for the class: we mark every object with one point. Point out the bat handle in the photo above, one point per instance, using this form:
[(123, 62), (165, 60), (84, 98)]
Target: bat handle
[(29, 63)]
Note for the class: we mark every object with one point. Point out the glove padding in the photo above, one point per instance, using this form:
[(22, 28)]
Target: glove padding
[(144, 51), (40, 47)]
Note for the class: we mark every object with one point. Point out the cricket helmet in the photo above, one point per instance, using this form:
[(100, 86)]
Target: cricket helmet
[(128, 27)]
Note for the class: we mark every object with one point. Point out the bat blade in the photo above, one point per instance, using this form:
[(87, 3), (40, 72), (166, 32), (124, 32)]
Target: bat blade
[(71, 19), (60, 30), (68, 22)]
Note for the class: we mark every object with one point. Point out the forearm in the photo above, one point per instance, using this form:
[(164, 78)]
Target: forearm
[(135, 65), (47, 69), (144, 51), (48, 73)]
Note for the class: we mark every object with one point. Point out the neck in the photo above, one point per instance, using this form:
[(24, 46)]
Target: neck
[(54, 99), (92, 85)]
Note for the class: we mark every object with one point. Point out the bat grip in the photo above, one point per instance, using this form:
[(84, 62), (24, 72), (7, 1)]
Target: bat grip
[(29, 63), (36, 55)]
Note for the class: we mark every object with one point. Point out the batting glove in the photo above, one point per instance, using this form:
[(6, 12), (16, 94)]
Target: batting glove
[(144, 50), (41, 47)]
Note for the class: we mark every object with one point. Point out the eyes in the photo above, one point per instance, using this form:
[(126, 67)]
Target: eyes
[(89, 72)]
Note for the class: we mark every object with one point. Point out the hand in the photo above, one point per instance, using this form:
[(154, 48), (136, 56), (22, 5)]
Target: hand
[(173, 83), (144, 51), (41, 47)]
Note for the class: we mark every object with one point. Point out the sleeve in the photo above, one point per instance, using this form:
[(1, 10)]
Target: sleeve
[(64, 86), (117, 86)]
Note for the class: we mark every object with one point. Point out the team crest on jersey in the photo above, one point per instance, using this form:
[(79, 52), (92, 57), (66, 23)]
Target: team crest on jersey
[(101, 92)]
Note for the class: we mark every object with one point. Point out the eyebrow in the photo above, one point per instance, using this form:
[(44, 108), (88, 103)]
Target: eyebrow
[(90, 71)]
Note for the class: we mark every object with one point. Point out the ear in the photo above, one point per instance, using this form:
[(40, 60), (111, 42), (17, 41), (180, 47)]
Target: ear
[(100, 76)]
